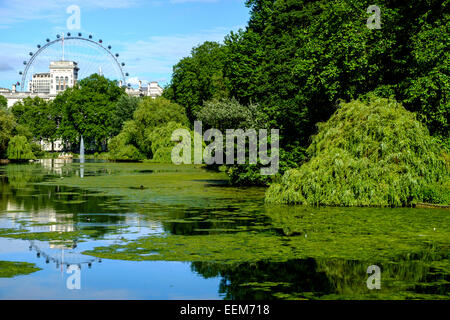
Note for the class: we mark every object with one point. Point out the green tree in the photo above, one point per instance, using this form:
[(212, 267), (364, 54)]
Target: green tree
[(39, 116), (120, 148), (371, 153), (199, 77), (427, 87), (297, 59), (151, 128), (7, 125), (86, 110), (161, 143), (230, 114), (123, 111), (3, 103), (19, 149)]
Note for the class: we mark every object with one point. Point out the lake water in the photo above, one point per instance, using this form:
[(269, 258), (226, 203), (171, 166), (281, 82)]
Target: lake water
[(103, 230)]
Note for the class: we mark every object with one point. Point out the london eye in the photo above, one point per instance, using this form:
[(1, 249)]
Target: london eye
[(91, 55)]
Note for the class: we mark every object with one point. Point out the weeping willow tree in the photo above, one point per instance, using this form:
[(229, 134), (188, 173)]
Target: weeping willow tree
[(19, 149), (369, 153)]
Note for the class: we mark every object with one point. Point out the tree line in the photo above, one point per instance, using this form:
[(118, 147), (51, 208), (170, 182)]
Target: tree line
[(299, 60), (292, 67)]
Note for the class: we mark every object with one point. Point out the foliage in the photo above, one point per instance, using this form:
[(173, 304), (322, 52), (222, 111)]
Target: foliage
[(124, 109), (10, 269), (19, 149), (119, 149), (3, 103), (427, 88), (10, 128), (148, 135), (230, 114), (39, 116), (7, 125), (368, 154), (154, 112), (298, 59), (86, 110), (199, 78), (161, 143)]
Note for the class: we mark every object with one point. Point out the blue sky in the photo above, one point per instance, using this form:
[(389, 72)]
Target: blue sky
[(150, 35)]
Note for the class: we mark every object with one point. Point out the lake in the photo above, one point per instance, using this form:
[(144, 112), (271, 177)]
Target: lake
[(102, 230)]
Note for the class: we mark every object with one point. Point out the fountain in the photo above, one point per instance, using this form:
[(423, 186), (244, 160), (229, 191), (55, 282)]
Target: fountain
[(82, 150)]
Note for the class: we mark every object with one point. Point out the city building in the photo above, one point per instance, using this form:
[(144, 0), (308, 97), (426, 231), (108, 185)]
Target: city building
[(63, 75), (152, 89), (40, 83)]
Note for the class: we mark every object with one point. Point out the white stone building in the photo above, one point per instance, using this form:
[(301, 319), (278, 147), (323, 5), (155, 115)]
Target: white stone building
[(62, 75), (152, 89)]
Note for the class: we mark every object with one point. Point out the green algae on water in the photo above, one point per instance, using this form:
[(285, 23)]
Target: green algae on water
[(9, 269)]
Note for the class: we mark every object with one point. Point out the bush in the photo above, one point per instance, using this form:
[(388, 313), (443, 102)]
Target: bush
[(119, 149), (148, 134), (368, 154), (19, 149), (7, 125), (160, 141), (230, 114)]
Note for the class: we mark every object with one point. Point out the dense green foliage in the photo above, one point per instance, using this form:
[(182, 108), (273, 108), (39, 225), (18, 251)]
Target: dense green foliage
[(198, 78), (9, 128), (39, 116), (10, 269), (148, 134), (3, 102), (298, 59), (227, 114), (86, 110), (19, 149), (123, 111), (368, 154), (230, 114), (7, 125), (95, 109)]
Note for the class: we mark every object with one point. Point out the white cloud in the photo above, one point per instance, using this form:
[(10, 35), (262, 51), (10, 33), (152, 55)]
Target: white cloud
[(134, 81), (15, 11), (155, 56), (12, 56)]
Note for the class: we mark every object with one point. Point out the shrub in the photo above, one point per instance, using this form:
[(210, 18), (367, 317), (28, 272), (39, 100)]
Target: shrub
[(19, 149), (367, 154), (119, 149), (160, 141)]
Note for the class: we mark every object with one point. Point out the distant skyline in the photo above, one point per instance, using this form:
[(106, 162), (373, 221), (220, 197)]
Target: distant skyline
[(150, 36)]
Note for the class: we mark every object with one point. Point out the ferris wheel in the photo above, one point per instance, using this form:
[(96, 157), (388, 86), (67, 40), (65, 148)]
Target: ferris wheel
[(91, 56)]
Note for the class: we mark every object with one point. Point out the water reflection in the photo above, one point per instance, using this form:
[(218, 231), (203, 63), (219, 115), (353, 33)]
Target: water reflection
[(58, 221), (323, 279), (61, 254)]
